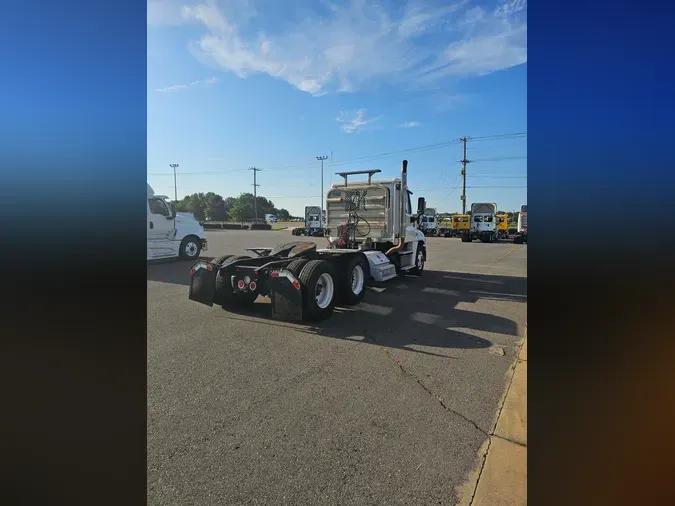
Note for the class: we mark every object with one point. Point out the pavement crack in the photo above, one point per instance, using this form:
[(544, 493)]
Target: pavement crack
[(510, 440), (480, 472), (438, 398)]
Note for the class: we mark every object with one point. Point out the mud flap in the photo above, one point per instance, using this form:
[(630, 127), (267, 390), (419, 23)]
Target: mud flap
[(286, 296), (203, 282)]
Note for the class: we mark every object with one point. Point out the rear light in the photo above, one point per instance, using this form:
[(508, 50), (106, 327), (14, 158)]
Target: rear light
[(241, 285), (192, 271), (209, 267), (253, 286), (275, 274), (296, 284)]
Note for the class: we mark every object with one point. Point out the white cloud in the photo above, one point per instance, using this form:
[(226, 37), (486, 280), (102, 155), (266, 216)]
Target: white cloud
[(354, 121), (349, 47), (180, 87), (409, 124)]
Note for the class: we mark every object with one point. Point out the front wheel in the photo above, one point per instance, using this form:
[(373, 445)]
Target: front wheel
[(190, 248), (419, 262), (318, 281)]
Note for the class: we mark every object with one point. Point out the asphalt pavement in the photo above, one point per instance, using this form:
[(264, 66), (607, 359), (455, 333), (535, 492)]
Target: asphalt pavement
[(387, 402)]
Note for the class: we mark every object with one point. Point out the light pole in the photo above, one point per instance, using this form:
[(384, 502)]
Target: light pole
[(175, 187), (322, 158)]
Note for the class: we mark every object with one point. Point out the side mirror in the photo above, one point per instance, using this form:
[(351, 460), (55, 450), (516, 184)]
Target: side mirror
[(421, 205)]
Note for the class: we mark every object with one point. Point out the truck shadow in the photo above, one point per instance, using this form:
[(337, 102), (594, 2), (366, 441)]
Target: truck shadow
[(172, 270), (415, 314)]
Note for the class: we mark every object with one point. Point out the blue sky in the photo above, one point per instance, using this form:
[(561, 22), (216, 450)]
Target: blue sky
[(235, 84)]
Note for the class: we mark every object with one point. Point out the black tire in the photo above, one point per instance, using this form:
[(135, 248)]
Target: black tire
[(225, 294), (518, 239), (190, 248), (309, 278), (420, 259), (295, 267), (220, 260), (349, 276)]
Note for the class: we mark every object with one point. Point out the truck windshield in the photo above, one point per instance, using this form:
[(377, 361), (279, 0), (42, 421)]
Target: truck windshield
[(478, 219), (488, 219)]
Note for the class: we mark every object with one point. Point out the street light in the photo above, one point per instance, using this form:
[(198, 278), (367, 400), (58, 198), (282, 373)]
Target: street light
[(321, 158)]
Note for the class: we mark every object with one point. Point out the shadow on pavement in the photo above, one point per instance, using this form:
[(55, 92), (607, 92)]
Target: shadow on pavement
[(415, 312), (172, 270)]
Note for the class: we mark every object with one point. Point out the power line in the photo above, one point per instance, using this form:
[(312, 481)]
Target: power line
[(337, 163)]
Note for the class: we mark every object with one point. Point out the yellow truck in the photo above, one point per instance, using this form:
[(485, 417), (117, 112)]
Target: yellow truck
[(460, 222), (502, 226)]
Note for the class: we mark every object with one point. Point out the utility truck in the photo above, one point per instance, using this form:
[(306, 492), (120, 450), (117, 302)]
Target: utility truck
[(521, 231), (429, 222), (313, 223), (170, 234), (483, 223), (371, 232), (460, 223)]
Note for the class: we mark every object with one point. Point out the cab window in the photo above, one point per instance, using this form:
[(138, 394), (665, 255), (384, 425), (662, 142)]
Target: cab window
[(477, 219), (488, 219), (408, 205), (158, 206)]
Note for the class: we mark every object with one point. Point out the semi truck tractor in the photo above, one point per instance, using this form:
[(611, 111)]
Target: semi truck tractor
[(521, 231), (460, 223), (503, 226), (429, 222), (313, 226), (170, 234), (483, 223), (371, 232)]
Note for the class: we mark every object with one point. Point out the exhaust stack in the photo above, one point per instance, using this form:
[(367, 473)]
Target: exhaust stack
[(404, 199)]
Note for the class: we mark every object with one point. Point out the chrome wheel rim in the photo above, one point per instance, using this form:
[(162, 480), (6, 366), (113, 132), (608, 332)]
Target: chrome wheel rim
[(191, 249), (420, 261), (357, 279), (324, 290)]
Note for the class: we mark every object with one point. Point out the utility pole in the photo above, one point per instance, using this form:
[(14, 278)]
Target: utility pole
[(255, 193), (175, 187), (464, 162), (322, 158)]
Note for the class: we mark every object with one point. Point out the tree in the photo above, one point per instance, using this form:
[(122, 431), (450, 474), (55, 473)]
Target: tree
[(194, 204), (283, 215), (243, 210), (215, 207)]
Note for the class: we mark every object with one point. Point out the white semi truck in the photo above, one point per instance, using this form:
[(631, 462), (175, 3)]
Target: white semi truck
[(169, 234), (483, 223), (371, 232), (521, 231), (313, 221), (429, 222)]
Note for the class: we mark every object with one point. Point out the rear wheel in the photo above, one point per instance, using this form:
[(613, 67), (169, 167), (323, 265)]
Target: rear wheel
[(518, 239), (318, 280), (221, 260), (354, 279)]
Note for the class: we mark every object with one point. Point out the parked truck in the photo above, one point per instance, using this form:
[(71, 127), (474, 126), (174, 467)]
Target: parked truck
[(171, 234), (371, 232), (503, 226), (521, 231), (483, 223), (313, 223), (460, 223), (429, 222)]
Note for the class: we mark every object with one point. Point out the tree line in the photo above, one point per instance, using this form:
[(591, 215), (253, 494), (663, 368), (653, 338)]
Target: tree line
[(211, 206)]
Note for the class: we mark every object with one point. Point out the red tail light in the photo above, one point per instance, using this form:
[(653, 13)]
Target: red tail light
[(241, 284), (296, 284), (253, 286)]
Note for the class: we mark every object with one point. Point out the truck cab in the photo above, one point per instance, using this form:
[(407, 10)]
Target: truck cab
[(171, 235), (502, 226)]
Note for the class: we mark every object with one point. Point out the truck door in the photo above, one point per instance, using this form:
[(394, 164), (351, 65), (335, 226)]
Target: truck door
[(160, 225)]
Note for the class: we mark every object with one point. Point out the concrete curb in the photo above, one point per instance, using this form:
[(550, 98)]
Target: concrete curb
[(503, 479)]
